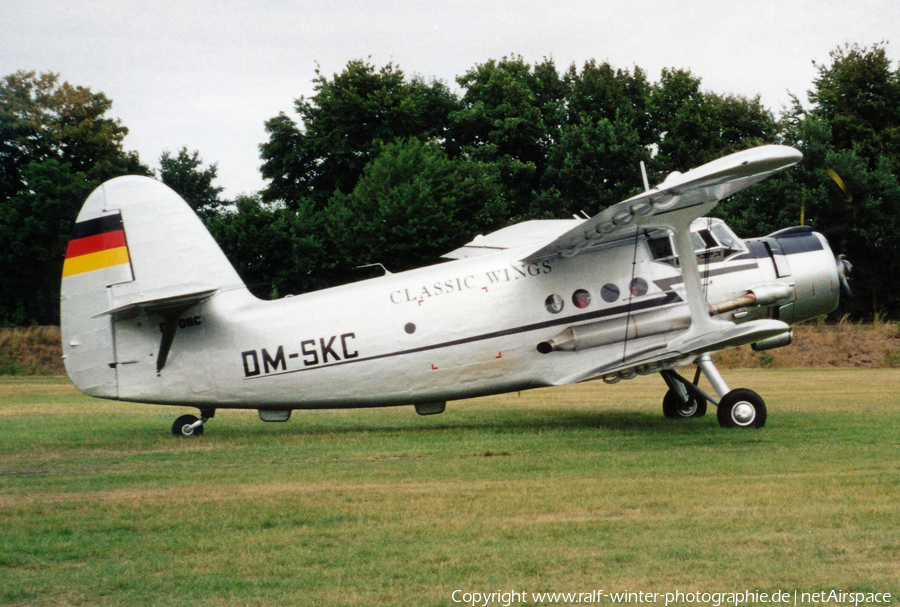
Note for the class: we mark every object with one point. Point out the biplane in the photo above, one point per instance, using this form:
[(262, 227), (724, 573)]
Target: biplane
[(153, 312)]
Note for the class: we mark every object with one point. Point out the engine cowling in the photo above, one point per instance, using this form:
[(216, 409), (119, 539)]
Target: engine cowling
[(803, 258)]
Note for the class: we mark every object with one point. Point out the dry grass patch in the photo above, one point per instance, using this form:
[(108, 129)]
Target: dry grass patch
[(839, 345), (31, 351)]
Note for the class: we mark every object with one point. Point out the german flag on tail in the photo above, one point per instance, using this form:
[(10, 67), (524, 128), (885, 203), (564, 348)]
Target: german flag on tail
[(97, 244)]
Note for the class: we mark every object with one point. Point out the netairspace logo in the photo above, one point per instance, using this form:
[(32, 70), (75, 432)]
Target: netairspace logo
[(714, 599)]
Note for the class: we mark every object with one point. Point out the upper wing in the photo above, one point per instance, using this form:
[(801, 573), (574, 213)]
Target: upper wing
[(533, 233), (675, 202)]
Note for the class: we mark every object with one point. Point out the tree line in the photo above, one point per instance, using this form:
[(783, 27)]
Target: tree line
[(379, 167)]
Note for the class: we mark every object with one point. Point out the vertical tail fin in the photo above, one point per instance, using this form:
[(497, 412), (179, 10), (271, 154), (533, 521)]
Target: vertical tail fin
[(137, 249)]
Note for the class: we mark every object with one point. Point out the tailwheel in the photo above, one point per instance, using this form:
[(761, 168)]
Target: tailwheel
[(742, 408), (188, 425), (676, 408)]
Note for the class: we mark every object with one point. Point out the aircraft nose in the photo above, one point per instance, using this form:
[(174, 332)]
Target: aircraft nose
[(817, 273)]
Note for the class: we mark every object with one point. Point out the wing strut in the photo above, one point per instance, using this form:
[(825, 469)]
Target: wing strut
[(706, 333), (630, 291), (701, 322)]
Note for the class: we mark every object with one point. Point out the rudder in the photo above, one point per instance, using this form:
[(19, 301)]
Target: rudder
[(137, 248)]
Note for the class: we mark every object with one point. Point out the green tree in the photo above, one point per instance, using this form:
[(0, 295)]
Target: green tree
[(848, 131), (511, 114), (551, 145), (343, 127), (600, 92), (56, 145), (593, 165), (690, 127), (863, 224), (276, 251), (42, 119), (593, 160), (859, 95), (185, 175), (413, 204)]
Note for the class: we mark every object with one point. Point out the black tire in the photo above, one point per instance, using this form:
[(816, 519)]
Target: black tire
[(674, 408), (179, 428), (742, 409)]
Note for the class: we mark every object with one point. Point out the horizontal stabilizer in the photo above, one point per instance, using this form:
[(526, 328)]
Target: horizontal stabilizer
[(176, 296)]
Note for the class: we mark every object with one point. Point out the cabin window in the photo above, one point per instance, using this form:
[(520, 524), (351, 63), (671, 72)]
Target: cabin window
[(638, 287), (609, 293), (727, 238), (554, 303), (703, 240), (661, 249), (581, 298)]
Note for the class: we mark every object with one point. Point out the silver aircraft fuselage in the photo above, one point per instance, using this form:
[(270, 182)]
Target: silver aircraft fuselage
[(460, 329)]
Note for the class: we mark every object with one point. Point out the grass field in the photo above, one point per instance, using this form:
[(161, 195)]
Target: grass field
[(566, 490)]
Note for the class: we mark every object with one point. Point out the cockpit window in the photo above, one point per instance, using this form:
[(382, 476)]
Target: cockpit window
[(725, 236), (714, 241)]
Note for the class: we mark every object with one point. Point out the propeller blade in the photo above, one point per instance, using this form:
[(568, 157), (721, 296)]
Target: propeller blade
[(844, 267)]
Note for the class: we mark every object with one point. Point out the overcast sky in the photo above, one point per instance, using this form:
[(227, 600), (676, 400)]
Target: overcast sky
[(207, 74)]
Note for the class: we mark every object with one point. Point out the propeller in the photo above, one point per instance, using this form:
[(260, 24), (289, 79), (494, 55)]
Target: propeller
[(844, 267), (835, 235)]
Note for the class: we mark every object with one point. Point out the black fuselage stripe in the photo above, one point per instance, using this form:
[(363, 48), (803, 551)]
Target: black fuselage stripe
[(666, 283), (656, 302)]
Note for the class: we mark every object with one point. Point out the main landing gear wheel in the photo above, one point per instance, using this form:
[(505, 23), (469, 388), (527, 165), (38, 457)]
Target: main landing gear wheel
[(742, 409), (675, 408), (184, 426)]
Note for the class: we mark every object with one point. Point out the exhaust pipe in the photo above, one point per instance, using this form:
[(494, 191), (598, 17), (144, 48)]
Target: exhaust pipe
[(636, 326), (763, 295)]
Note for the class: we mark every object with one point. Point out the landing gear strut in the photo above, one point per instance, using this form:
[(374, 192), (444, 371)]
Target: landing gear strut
[(190, 425), (681, 402), (676, 406), (740, 408)]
